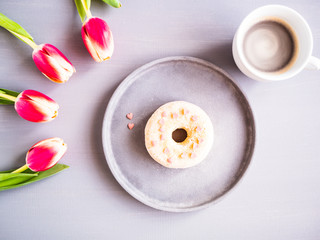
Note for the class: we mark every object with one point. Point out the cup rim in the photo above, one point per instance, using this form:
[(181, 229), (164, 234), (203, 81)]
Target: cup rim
[(269, 76)]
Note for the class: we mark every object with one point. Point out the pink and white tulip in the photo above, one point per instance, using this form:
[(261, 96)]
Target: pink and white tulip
[(52, 63), (35, 106), (97, 38), (45, 154)]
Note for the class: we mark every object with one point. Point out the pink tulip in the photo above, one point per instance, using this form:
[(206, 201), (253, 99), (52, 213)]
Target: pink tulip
[(52, 63), (35, 106), (45, 154), (97, 38)]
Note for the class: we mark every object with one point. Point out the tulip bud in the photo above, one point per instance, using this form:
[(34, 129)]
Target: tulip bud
[(45, 154), (52, 63), (98, 39), (35, 106)]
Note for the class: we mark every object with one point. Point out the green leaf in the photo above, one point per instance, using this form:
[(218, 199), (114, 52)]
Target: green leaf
[(83, 6), (113, 3), (14, 181), (14, 28), (41, 175), (5, 176), (4, 100)]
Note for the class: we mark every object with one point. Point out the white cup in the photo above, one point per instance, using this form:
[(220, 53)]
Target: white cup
[(303, 36)]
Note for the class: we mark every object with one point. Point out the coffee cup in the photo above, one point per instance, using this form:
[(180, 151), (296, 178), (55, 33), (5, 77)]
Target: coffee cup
[(274, 43)]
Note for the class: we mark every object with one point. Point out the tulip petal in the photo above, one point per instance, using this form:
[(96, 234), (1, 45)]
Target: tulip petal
[(98, 39), (90, 48), (38, 96), (33, 112), (59, 57), (45, 154), (35, 106), (56, 70), (44, 64), (52, 63)]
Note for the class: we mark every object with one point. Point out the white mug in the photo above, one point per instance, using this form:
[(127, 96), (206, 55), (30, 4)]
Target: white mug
[(303, 36)]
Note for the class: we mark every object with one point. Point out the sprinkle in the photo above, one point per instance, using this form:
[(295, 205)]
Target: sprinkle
[(153, 143), (161, 129), (162, 137), (130, 125), (200, 140), (169, 160), (183, 155), (194, 118), (185, 112), (161, 121), (174, 115), (163, 114), (198, 129), (194, 146), (166, 150), (129, 116), (193, 155)]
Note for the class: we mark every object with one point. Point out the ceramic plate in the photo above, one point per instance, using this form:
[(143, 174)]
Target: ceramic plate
[(142, 92)]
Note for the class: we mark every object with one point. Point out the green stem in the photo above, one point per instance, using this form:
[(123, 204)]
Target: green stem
[(86, 9), (25, 39), (7, 96), (19, 170)]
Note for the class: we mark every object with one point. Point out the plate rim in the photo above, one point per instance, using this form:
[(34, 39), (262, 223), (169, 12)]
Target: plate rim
[(107, 147)]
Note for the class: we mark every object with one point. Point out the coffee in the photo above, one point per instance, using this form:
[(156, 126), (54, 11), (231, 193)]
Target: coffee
[(270, 46)]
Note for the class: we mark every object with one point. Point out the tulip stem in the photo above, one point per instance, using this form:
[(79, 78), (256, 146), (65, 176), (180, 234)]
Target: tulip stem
[(86, 9), (7, 96), (21, 169), (89, 15), (25, 39)]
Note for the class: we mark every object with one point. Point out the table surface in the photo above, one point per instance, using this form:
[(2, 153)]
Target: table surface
[(278, 198)]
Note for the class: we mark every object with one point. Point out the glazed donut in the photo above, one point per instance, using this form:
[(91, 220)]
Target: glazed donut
[(188, 120)]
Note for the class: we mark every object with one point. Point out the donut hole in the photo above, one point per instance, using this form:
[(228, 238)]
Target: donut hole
[(179, 135)]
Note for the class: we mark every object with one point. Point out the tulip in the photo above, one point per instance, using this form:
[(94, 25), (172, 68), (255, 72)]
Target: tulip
[(35, 106), (52, 63), (44, 155), (49, 60), (97, 38)]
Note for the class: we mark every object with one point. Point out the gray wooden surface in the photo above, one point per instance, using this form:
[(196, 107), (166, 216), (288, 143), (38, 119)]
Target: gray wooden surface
[(279, 197)]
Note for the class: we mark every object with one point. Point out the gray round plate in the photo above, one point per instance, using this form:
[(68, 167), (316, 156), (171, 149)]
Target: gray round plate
[(149, 87)]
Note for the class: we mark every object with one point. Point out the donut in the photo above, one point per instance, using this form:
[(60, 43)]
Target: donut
[(179, 134)]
